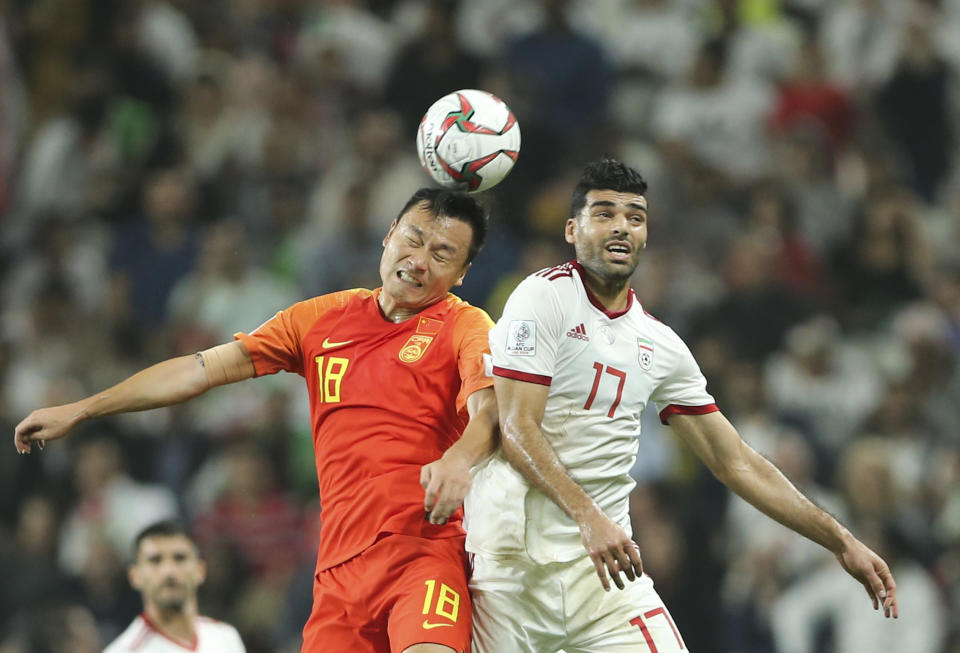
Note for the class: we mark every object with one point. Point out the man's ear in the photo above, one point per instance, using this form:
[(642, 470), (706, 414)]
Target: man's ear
[(463, 273), (393, 225), (570, 231), (133, 575)]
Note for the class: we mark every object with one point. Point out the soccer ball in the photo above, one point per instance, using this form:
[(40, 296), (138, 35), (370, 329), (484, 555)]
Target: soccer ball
[(468, 140)]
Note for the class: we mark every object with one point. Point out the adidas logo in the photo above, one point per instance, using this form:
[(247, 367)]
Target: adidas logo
[(579, 333)]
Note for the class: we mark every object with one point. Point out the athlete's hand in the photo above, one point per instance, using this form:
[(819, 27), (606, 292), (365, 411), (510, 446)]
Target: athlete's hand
[(45, 424), (446, 482), (610, 548), (873, 573)]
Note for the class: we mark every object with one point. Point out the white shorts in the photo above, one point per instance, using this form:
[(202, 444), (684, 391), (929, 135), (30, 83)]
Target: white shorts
[(520, 606)]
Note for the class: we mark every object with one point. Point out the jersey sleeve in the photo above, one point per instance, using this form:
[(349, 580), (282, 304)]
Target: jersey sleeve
[(276, 345), (471, 339), (525, 339), (684, 390)]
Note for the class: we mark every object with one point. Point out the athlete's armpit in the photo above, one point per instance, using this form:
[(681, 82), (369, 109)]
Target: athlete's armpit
[(227, 363)]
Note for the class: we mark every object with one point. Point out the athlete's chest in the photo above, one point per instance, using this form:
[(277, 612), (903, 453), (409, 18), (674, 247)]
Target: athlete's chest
[(355, 357), (607, 365)]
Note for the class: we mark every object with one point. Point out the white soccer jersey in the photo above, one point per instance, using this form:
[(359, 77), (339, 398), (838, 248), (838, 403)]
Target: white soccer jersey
[(602, 369), (142, 636)]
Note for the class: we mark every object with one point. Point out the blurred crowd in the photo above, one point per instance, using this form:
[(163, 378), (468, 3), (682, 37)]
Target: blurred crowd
[(174, 171)]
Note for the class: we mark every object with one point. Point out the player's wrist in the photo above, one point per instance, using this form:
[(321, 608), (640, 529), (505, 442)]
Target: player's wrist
[(455, 456), (81, 411), (585, 511), (840, 540)]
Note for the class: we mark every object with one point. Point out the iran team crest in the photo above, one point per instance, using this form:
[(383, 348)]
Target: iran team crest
[(415, 348), (645, 353)]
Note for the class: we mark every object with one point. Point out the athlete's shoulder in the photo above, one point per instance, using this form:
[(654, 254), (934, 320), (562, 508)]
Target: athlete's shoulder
[(338, 299), (559, 280), (660, 330), (463, 309), (131, 638), (557, 272), (225, 634)]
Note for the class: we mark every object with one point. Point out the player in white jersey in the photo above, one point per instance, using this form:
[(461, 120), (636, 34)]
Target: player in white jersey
[(575, 361), (167, 570)]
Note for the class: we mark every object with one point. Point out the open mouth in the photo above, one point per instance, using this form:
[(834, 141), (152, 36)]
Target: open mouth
[(619, 250), (408, 279)]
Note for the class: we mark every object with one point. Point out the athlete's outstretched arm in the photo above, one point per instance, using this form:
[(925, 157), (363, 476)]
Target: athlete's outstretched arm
[(164, 384), (447, 480), (758, 481), (521, 411)]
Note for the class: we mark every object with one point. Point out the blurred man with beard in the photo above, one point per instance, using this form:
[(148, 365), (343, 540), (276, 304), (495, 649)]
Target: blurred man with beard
[(167, 570)]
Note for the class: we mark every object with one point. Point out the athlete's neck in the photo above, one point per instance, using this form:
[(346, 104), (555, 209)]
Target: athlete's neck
[(178, 625), (614, 294), (395, 313)]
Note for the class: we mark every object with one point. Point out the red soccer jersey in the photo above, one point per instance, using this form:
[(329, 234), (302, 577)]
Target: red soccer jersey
[(385, 399)]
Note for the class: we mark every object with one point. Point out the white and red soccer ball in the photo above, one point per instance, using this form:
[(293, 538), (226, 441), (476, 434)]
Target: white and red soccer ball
[(468, 140)]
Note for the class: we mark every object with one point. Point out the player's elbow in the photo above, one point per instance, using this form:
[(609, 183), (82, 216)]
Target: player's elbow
[(193, 381), (196, 385)]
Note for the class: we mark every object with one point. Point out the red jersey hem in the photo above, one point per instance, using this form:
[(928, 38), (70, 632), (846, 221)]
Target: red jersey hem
[(507, 373), (674, 409)]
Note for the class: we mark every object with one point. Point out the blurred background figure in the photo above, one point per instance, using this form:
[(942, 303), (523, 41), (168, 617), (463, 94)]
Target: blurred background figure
[(170, 169), (167, 570)]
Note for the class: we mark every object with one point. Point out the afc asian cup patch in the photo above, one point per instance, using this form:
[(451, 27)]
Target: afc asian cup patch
[(645, 354), (415, 348), (522, 338)]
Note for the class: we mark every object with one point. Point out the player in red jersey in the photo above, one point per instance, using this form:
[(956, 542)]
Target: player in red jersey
[(401, 409)]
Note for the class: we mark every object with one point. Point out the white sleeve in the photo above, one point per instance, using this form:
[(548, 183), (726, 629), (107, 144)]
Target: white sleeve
[(684, 390), (524, 340)]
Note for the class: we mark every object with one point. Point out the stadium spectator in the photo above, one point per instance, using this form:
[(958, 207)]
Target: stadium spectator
[(431, 65), (152, 252), (699, 122), (822, 385), (916, 104), (111, 508)]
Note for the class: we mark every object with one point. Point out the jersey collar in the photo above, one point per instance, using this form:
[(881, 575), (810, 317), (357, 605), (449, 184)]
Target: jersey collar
[(595, 301), (190, 646), (427, 311)]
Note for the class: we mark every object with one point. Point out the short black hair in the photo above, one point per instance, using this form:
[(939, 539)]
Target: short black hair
[(164, 528), (606, 174), (445, 203)]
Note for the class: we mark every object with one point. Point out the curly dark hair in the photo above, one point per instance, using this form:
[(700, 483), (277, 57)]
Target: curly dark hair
[(606, 174)]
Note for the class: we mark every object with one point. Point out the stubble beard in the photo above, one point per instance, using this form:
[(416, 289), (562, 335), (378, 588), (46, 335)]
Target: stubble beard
[(616, 275), (171, 603)]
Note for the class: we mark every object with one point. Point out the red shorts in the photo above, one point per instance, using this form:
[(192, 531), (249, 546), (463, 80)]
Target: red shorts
[(403, 590)]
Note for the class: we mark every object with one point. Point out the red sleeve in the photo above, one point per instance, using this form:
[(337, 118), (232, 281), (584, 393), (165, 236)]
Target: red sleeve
[(470, 338), (276, 344)]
